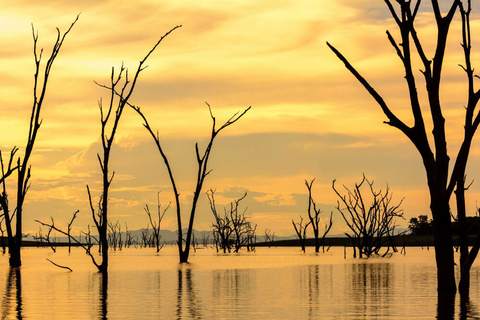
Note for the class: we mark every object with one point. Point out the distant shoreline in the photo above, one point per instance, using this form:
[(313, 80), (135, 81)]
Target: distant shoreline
[(408, 240)]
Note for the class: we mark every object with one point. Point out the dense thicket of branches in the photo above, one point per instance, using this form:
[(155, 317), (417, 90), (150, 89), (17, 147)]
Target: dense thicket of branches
[(372, 225), (231, 230)]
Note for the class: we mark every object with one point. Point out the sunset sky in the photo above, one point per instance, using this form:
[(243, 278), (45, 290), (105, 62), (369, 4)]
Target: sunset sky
[(309, 116)]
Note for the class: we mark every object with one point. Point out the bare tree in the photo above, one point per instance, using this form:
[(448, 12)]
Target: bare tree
[(221, 228), (3, 236), (441, 181), (69, 229), (372, 226), (156, 224), (205, 239), (86, 246), (119, 96), (232, 230), (23, 168), (129, 239), (4, 203), (115, 235), (202, 172), (301, 231), (269, 237), (315, 218), (120, 92), (145, 237)]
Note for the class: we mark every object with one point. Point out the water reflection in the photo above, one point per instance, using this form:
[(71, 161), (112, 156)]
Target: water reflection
[(272, 284), (468, 309), (370, 288), (14, 283), (313, 281), (186, 294), (103, 295), (233, 292)]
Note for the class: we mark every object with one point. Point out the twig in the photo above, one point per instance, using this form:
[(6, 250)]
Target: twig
[(57, 265)]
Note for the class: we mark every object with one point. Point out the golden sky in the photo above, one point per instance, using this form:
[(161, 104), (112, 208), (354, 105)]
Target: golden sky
[(309, 117)]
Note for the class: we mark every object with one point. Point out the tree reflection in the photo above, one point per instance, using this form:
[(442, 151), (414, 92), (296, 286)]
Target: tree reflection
[(186, 294), (446, 306), (103, 295), (14, 283), (468, 309), (313, 288), (371, 284)]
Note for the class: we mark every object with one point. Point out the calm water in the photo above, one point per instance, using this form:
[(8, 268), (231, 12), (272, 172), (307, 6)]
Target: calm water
[(275, 283)]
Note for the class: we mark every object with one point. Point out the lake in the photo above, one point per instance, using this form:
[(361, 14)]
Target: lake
[(271, 283)]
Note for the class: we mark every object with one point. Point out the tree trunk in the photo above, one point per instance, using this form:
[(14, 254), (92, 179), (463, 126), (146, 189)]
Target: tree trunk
[(184, 255), (15, 258), (443, 245)]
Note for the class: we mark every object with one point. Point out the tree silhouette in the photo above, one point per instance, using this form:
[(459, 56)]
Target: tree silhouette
[(301, 231), (315, 218), (441, 181), (372, 225), (120, 92), (202, 172), (232, 229), (156, 237), (23, 169)]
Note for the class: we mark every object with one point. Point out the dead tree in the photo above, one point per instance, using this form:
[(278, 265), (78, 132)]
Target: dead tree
[(373, 225), (202, 172), (301, 231), (4, 203), (269, 237), (156, 224), (242, 228), (232, 230), (86, 246), (129, 239), (3, 236), (205, 239), (145, 237), (441, 180), (115, 236), (120, 93), (40, 237), (315, 218), (22, 164), (69, 228), (222, 227), (47, 238)]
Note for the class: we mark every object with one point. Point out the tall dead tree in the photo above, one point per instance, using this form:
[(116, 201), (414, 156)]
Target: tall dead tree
[(120, 93), (441, 181), (373, 225), (315, 218), (23, 168), (202, 172)]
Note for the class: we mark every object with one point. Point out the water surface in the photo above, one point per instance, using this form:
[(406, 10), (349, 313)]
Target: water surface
[(271, 283)]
